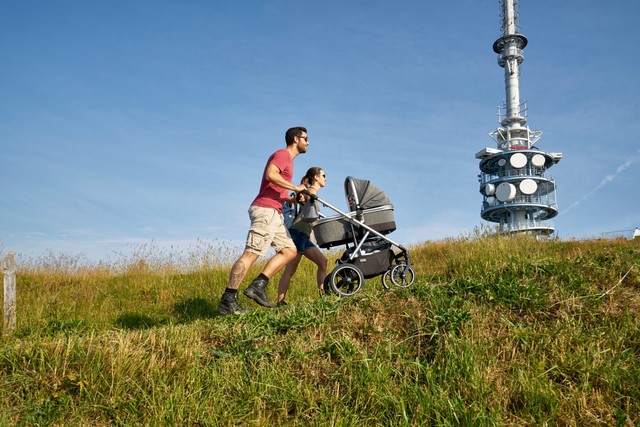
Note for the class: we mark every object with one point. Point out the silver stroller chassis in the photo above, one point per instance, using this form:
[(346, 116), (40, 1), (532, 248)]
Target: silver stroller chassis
[(371, 255)]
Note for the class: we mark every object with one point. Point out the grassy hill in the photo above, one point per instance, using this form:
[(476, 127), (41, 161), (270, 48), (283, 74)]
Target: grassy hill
[(495, 331)]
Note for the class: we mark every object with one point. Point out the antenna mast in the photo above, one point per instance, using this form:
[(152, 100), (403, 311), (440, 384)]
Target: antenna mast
[(516, 194)]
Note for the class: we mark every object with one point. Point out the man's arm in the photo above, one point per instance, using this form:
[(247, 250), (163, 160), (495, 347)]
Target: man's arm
[(272, 174)]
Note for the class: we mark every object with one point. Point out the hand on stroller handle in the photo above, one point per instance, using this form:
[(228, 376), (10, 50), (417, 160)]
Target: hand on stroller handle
[(310, 195)]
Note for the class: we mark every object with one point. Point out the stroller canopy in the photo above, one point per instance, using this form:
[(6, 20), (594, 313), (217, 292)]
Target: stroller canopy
[(362, 194)]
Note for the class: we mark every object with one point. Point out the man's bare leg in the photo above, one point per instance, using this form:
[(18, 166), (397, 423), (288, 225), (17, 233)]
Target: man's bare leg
[(229, 301), (240, 269), (279, 261), (257, 289)]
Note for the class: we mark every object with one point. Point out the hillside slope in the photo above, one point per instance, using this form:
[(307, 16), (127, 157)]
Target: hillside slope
[(495, 331)]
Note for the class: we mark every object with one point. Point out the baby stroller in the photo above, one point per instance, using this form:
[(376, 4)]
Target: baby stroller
[(369, 253)]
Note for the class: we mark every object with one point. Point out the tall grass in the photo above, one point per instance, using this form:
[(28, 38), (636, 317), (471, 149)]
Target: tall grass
[(495, 331)]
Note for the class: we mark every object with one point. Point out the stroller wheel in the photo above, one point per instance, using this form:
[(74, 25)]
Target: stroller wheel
[(400, 276), (328, 290), (386, 280), (346, 280)]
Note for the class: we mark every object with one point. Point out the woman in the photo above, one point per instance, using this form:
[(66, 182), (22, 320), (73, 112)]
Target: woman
[(300, 232)]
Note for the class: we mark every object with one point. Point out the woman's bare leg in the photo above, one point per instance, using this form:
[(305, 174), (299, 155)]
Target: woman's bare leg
[(289, 271), (321, 261)]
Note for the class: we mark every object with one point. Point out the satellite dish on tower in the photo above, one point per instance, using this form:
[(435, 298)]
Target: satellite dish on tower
[(528, 186), (506, 192), (518, 160), (489, 189), (538, 160)]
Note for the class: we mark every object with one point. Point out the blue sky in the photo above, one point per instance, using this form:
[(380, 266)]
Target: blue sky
[(132, 123)]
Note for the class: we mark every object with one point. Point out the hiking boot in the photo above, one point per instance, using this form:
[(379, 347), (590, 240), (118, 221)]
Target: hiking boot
[(229, 305), (281, 303), (256, 291)]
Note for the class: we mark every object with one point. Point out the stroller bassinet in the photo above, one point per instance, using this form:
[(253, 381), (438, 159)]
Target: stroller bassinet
[(367, 204), (338, 230)]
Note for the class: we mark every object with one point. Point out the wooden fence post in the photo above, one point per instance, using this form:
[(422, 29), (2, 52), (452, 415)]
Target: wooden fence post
[(9, 267)]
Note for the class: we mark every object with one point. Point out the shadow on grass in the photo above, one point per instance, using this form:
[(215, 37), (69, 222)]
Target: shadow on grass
[(182, 312), (193, 309), (137, 321)]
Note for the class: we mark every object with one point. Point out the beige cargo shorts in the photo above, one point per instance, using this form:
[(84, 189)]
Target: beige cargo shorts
[(267, 229)]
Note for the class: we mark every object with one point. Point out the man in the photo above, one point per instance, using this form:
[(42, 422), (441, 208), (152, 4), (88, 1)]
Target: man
[(267, 226)]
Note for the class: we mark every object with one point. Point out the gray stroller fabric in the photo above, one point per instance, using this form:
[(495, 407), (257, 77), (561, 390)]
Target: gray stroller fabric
[(362, 192)]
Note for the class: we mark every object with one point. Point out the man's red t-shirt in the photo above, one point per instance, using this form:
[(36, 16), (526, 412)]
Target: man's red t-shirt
[(270, 195)]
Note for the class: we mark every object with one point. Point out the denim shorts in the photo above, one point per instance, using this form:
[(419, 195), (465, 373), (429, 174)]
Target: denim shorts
[(301, 240)]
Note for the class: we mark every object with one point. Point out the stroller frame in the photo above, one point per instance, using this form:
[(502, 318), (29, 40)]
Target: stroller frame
[(369, 252)]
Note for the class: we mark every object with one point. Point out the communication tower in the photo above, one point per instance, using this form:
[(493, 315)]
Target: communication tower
[(516, 194)]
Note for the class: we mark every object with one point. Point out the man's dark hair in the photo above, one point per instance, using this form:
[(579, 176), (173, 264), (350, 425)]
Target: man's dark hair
[(292, 133)]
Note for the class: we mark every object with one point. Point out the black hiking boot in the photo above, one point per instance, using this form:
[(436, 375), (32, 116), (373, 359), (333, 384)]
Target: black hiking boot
[(229, 305), (256, 291)]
